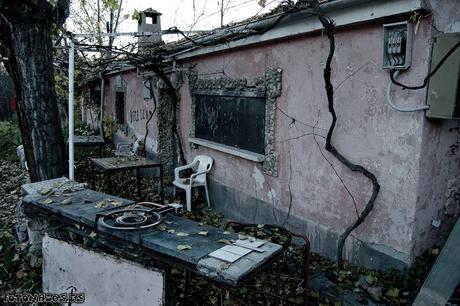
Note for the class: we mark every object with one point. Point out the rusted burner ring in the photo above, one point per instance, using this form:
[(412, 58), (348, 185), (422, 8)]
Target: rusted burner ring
[(130, 219)]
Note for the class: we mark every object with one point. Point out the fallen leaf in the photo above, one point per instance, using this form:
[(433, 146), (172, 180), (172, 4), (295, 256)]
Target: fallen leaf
[(370, 279), (171, 231), (435, 251), (224, 265), (184, 247), (101, 204), (260, 225), (66, 201), (203, 233), (92, 235), (393, 292), (225, 241), (47, 201), (226, 233), (181, 234), (45, 191)]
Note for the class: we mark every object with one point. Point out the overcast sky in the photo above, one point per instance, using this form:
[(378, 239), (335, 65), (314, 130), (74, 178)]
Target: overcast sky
[(206, 15), (180, 13)]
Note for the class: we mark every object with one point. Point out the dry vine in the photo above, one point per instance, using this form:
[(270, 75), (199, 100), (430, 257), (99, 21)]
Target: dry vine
[(329, 27)]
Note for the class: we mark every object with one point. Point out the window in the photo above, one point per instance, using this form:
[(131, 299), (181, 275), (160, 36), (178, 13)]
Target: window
[(147, 93), (237, 115), (120, 107), (235, 119), (119, 82), (151, 19)]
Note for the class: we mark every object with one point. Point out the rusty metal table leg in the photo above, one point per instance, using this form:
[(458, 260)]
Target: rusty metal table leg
[(306, 265), (93, 176), (169, 287), (109, 183), (138, 179), (278, 283), (187, 284), (162, 193)]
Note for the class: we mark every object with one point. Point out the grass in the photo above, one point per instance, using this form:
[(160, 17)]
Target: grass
[(10, 138)]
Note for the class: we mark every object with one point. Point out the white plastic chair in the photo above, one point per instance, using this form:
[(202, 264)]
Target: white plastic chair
[(195, 180), (127, 149)]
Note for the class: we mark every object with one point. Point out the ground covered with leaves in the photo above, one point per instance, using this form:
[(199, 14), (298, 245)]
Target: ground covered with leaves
[(328, 284)]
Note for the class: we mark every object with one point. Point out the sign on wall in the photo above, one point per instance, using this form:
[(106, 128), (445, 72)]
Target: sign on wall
[(235, 119)]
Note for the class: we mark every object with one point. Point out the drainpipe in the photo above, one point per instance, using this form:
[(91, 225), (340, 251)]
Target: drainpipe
[(101, 122)]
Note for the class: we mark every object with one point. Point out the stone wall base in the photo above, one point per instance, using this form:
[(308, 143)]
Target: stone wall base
[(245, 208)]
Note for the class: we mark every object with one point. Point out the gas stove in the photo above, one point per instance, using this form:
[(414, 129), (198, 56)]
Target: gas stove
[(138, 216)]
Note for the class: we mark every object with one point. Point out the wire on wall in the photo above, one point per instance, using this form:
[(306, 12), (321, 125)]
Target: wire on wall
[(390, 99)]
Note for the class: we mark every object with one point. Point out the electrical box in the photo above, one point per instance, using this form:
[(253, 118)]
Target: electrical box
[(397, 45), (443, 95)]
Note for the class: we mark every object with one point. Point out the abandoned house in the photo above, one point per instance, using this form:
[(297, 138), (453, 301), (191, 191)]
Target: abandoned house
[(257, 105)]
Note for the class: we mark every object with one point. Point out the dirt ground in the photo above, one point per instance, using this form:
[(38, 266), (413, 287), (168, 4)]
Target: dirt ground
[(328, 285)]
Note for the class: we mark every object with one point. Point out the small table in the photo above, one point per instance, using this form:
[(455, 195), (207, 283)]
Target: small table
[(90, 141), (112, 164)]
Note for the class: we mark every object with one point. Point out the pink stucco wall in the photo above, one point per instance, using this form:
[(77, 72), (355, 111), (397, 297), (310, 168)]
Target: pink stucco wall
[(137, 109), (369, 132), (408, 153)]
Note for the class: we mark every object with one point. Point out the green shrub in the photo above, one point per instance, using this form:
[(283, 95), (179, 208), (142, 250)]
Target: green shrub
[(10, 138)]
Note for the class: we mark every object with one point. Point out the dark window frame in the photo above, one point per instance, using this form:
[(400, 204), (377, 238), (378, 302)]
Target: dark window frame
[(230, 123), (120, 107), (269, 82)]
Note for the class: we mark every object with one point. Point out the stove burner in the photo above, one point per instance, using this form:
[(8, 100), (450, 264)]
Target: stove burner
[(129, 219)]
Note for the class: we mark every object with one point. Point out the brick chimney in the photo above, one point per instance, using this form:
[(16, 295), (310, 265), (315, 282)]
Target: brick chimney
[(149, 21)]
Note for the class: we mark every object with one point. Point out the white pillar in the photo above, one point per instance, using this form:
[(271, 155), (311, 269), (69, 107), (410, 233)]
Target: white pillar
[(71, 84), (101, 123)]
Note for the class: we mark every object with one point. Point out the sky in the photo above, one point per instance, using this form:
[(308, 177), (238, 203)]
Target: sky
[(181, 13)]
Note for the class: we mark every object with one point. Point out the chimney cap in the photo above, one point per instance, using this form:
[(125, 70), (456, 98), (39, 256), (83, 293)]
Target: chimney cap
[(150, 12)]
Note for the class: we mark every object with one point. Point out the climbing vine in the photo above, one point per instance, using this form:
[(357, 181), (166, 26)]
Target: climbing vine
[(329, 28)]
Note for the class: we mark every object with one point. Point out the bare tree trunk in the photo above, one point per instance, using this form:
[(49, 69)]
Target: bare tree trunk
[(29, 42)]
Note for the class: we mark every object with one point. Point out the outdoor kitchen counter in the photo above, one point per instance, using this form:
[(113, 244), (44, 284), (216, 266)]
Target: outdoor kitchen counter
[(164, 242)]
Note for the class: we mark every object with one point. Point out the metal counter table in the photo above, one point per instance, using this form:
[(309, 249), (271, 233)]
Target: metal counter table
[(90, 141), (108, 165), (83, 207)]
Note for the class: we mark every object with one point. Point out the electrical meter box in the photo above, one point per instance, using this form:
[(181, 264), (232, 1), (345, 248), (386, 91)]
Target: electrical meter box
[(397, 45), (443, 94)]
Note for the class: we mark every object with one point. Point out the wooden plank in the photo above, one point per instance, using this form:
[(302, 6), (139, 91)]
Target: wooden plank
[(445, 274)]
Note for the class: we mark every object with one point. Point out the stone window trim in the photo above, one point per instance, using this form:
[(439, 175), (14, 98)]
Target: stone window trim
[(271, 84)]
